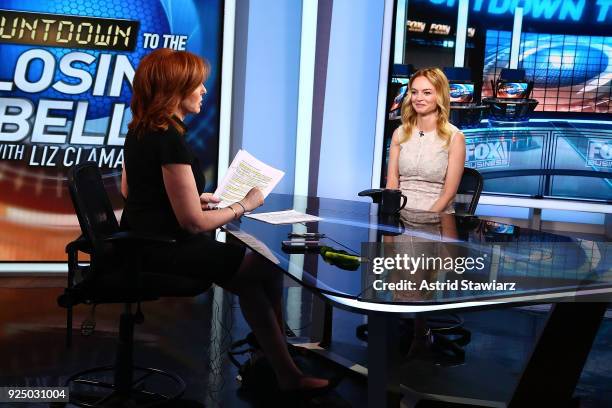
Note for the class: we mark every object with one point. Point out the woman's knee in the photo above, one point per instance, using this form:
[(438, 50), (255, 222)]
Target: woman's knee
[(241, 287), (254, 269)]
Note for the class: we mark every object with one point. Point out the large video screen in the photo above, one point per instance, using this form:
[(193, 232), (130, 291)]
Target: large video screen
[(571, 73), (66, 76)]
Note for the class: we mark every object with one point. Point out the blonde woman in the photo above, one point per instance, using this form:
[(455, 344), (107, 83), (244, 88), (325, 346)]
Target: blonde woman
[(427, 152)]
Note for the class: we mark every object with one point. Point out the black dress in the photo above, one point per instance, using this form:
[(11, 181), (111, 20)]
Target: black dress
[(148, 209)]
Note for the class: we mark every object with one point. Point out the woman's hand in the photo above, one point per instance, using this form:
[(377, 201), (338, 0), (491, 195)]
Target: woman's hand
[(207, 198), (252, 200)]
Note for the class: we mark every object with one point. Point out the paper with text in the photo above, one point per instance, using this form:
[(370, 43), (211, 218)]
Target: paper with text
[(284, 217), (257, 245), (244, 173)]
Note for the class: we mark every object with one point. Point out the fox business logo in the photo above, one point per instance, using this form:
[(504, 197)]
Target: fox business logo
[(487, 154), (599, 153)]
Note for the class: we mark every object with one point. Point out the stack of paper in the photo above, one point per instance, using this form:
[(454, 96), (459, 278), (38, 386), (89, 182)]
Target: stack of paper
[(284, 217), (243, 174)]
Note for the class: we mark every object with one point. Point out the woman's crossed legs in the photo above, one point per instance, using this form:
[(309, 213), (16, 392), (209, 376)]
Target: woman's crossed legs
[(259, 288)]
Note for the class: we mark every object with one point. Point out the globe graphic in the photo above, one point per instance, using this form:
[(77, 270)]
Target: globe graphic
[(25, 185), (35, 205), (152, 19), (565, 66)]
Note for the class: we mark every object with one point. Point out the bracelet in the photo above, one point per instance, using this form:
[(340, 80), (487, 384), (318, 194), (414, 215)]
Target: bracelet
[(234, 211), (240, 204)]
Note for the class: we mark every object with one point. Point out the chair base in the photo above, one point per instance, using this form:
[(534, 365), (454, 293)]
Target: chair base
[(445, 342), (88, 388)]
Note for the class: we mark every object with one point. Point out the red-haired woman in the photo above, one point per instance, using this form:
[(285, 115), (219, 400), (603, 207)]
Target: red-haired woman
[(163, 186)]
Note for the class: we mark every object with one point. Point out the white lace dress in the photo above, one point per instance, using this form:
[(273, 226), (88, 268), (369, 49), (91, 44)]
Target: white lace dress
[(423, 161)]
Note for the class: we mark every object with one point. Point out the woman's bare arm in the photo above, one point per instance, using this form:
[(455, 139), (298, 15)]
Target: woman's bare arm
[(393, 167), (185, 200), (124, 185)]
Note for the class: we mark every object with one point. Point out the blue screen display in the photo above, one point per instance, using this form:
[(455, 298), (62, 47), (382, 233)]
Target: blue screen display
[(577, 156), (65, 89), (461, 92), (515, 90), (399, 98), (571, 73)]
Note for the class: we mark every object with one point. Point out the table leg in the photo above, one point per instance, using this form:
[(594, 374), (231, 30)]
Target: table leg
[(320, 337), (554, 367), (383, 361), (322, 317), (535, 219)]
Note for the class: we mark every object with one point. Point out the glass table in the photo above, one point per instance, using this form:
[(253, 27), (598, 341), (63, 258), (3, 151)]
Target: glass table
[(509, 266)]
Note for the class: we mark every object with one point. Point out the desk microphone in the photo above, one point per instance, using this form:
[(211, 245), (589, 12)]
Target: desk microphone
[(421, 133)]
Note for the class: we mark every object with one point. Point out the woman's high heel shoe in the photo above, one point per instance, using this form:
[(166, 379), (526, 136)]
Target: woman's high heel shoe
[(308, 393)]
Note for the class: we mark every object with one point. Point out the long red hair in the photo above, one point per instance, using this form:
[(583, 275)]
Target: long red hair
[(164, 78)]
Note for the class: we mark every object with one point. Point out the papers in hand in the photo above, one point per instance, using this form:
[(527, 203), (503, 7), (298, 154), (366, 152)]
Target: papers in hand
[(244, 173), (284, 217)]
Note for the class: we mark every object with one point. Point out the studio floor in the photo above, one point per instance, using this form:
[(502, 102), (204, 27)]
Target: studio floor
[(190, 336)]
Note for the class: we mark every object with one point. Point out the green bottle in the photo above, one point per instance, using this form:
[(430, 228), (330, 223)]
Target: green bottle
[(340, 258)]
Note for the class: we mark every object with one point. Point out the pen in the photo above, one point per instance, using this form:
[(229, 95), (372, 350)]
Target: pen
[(300, 243), (306, 235)]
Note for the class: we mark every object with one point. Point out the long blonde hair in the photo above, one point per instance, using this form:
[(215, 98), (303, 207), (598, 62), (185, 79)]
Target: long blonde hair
[(409, 116)]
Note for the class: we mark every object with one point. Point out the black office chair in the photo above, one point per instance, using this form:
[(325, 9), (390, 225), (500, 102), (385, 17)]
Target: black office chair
[(116, 274), (511, 100), (446, 330), (466, 111), (468, 193), (511, 75)]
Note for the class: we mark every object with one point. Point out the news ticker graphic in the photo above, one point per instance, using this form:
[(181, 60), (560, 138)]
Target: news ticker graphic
[(403, 268), (540, 146), (65, 88), (17, 394), (487, 152), (550, 12), (52, 30), (495, 152), (599, 153)]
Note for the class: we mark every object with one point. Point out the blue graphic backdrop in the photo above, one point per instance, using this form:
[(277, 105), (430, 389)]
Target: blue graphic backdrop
[(33, 172), (571, 73)]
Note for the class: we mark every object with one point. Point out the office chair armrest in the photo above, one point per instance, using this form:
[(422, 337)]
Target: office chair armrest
[(375, 194), (79, 244), (130, 238)]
